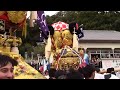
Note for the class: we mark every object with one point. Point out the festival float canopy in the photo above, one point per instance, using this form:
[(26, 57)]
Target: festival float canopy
[(60, 25)]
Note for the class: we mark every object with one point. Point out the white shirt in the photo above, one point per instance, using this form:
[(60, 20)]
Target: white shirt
[(47, 76), (118, 74), (99, 76), (112, 76)]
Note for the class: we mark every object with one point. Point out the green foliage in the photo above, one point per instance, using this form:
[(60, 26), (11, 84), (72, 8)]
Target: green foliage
[(99, 20), (116, 25), (39, 50)]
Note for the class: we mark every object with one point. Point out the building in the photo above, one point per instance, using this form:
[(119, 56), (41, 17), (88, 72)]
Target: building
[(102, 44)]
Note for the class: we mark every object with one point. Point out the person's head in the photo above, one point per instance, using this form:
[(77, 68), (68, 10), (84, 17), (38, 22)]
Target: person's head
[(71, 27), (7, 67), (97, 70), (82, 53), (110, 70), (89, 71), (59, 73), (46, 72), (62, 77), (52, 72), (74, 74)]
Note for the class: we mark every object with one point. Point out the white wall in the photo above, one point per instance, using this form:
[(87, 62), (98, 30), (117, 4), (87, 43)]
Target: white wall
[(99, 45)]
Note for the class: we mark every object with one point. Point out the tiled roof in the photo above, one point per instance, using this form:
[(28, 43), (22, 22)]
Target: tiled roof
[(101, 35)]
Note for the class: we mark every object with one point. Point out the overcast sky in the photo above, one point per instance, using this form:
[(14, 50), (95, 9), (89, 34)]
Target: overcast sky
[(50, 13)]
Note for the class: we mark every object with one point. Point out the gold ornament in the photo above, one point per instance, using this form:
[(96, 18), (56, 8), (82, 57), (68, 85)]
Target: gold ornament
[(1, 13), (16, 16), (67, 37), (57, 39)]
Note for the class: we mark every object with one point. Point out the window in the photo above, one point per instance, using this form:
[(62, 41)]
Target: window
[(117, 53), (102, 52)]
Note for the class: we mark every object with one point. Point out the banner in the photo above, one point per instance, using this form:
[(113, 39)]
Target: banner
[(81, 33), (41, 20), (110, 63)]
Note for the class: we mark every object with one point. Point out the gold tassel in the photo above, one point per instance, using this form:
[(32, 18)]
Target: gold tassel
[(75, 41), (49, 43), (47, 52), (24, 32), (10, 31), (51, 58), (48, 47)]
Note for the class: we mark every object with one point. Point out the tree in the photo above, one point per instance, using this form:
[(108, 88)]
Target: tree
[(116, 25), (40, 49)]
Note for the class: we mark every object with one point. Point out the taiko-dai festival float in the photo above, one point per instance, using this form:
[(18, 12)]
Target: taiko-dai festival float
[(11, 21), (61, 47)]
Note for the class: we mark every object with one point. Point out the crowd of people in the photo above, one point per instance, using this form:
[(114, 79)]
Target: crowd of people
[(89, 71)]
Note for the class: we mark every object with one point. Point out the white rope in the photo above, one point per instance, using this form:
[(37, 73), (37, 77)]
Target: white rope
[(76, 54)]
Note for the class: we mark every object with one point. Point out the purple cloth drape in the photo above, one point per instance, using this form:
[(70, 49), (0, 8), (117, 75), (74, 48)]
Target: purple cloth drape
[(41, 20)]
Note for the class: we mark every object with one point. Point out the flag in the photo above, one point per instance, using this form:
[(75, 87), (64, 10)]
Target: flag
[(41, 20), (44, 65), (81, 33)]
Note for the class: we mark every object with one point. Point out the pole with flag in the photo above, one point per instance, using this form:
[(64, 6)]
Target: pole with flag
[(81, 33), (41, 20)]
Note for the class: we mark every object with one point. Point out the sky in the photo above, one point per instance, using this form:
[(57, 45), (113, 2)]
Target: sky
[(50, 13)]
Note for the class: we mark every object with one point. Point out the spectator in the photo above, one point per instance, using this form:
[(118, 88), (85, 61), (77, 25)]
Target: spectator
[(97, 74), (59, 73), (89, 72), (7, 67), (111, 70), (86, 58), (74, 74), (46, 74), (109, 74), (52, 73)]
